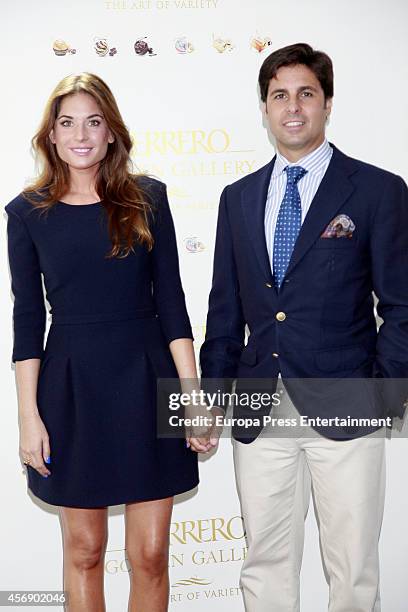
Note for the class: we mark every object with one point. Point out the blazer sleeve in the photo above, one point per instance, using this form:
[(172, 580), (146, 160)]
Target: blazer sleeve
[(168, 292), (225, 333), (389, 256), (29, 312)]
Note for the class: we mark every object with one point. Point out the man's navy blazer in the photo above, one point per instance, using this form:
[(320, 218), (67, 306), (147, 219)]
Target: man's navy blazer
[(330, 329)]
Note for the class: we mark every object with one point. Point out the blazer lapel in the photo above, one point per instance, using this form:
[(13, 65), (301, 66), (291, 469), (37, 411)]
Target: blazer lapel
[(253, 201), (333, 191)]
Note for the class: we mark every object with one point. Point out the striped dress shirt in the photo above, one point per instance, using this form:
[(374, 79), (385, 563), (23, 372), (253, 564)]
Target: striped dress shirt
[(316, 164)]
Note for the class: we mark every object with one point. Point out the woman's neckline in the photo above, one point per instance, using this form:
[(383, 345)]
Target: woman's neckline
[(79, 205)]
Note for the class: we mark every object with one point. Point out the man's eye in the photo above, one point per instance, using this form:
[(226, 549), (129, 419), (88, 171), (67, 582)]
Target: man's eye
[(279, 96), (307, 94)]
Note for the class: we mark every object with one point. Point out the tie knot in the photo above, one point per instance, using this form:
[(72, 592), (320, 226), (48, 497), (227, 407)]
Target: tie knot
[(294, 173)]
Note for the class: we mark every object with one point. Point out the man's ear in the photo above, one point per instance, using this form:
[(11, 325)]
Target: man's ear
[(264, 107), (328, 106)]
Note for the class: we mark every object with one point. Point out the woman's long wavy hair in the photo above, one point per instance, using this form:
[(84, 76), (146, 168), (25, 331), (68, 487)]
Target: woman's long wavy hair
[(127, 207)]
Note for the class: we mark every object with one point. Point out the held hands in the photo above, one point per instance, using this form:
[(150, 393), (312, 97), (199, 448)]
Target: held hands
[(203, 435), (34, 443)]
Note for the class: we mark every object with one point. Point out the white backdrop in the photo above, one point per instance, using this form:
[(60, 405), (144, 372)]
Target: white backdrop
[(196, 123)]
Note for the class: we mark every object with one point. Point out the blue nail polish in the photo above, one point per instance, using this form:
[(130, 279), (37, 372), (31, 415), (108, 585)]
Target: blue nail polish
[(48, 460)]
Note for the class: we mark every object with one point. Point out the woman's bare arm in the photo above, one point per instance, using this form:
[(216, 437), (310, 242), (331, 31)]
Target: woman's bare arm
[(27, 378), (182, 350)]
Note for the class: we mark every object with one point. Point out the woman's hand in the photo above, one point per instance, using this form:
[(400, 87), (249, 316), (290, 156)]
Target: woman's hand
[(205, 437), (34, 443)]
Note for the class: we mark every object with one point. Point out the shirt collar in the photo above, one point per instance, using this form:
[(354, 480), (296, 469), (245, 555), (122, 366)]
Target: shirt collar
[(312, 162)]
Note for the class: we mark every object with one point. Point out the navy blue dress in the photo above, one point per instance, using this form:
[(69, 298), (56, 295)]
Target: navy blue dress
[(112, 322)]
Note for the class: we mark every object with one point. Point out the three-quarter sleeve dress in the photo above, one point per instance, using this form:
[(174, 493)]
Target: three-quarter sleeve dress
[(112, 322)]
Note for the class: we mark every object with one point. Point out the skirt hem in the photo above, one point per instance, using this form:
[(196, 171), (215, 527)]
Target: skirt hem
[(170, 493)]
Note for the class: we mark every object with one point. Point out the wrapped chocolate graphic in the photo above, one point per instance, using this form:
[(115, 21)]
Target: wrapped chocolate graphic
[(339, 227), (101, 47), (60, 47), (183, 45), (260, 43), (142, 48), (194, 245), (222, 44)]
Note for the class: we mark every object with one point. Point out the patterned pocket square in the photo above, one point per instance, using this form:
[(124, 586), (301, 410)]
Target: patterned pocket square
[(339, 227)]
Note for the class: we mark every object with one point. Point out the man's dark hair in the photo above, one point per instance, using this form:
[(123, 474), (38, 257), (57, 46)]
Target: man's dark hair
[(300, 53)]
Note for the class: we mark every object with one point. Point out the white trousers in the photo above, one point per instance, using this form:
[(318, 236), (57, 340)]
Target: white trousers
[(274, 476)]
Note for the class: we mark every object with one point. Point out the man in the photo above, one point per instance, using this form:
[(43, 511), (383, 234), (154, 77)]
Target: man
[(301, 245)]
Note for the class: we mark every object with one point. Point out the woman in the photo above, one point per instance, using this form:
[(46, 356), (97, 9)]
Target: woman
[(104, 240)]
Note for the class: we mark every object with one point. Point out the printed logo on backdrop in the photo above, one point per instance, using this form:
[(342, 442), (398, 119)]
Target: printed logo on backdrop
[(186, 201), (191, 153), (147, 5), (183, 45), (222, 44), (194, 245), (102, 48), (260, 43), (198, 548), (61, 47), (142, 47), (199, 330)]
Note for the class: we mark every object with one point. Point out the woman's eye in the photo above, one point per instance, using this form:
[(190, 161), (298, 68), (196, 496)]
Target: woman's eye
[(92, 123)]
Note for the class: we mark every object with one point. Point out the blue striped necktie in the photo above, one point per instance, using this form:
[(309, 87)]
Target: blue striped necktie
[(288, 224)]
